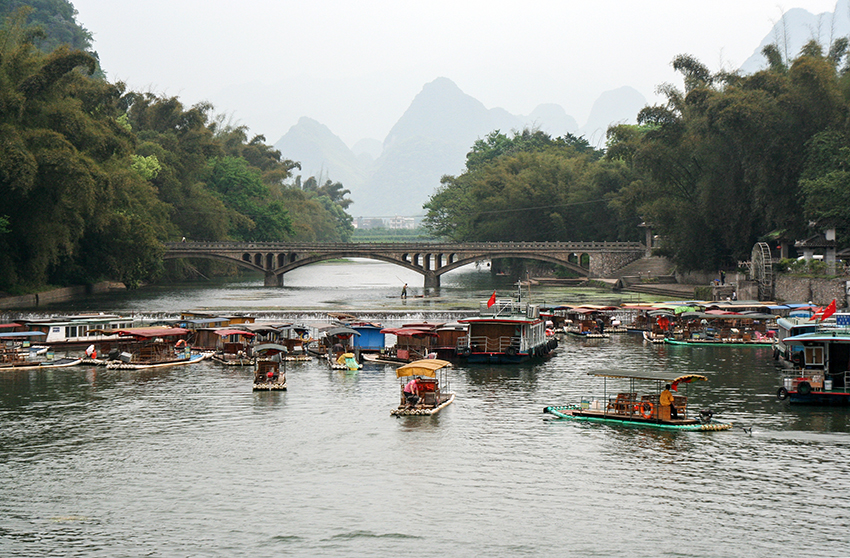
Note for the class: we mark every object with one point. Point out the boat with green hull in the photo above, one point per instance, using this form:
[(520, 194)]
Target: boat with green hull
[(574, 412), (718, 343), (656, 407)]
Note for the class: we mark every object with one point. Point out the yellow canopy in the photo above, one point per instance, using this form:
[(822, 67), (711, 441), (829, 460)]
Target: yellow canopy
[(426, 367)]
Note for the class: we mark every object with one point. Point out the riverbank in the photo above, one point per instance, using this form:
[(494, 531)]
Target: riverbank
[(64, 294)]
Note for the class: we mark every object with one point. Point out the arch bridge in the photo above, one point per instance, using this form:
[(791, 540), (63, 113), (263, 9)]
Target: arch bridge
[(431, 259)]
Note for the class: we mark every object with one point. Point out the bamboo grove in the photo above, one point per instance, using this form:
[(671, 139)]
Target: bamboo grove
[(96, 178), (722, 164)]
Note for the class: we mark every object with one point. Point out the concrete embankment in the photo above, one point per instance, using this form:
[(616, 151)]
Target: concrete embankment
[(63, 294)]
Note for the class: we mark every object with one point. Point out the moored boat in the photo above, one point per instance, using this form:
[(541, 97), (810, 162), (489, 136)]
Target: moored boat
[(655, 408), (267, 373), (424, 387), (821, 369), (505, 332), (154, 347)]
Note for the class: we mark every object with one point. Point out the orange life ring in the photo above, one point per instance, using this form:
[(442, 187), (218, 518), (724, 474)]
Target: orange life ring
[(180, 343), (643, 412)]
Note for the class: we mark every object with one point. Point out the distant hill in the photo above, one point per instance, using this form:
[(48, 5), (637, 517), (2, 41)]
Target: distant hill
[(430, 139), (612, 107), (322, 154), (796, 28)]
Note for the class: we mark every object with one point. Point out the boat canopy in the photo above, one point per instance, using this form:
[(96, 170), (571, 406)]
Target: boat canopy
[(409, 332), (819, 337), (269, 347), (13, 334), (669, 377), (150, 332), (426, 367), (334, 331)]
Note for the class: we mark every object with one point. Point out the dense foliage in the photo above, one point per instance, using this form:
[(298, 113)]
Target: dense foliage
[(718, 167), (97, 178), (531, 187)]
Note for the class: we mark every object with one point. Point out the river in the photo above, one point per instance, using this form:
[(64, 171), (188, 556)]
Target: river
[(188, 461)]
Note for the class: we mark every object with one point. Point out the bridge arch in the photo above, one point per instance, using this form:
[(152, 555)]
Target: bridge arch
[(431, 260)]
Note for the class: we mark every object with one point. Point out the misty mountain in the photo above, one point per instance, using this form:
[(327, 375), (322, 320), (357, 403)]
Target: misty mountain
[(620, 106), (430, 139), (797, 27)]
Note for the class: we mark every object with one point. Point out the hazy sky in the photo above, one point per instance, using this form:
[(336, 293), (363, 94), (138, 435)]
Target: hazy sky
[(356, 66)]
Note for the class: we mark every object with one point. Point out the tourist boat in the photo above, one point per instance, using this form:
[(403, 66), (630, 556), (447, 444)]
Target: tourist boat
[(153, 347), (431, 387), (13, 359), (505, 332), (821, 369), (81, 329), (267, 373), (593, 322), (786, 354), (635, 409), (413, 342), (232, 346), (721, 328)]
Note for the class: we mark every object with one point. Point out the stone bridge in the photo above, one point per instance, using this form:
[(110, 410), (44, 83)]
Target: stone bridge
[(431, 259)]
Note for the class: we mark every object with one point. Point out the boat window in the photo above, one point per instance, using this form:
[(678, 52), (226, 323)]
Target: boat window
[(814, 356), (70, 331)]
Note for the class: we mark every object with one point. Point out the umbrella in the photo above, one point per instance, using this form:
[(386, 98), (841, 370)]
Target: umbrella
[(686, 379)]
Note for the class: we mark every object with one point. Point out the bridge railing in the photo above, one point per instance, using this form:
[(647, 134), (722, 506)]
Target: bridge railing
[(403, 246)]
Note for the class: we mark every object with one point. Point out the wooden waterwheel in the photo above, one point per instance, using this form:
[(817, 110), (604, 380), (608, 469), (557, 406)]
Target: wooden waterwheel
[(761, 270)]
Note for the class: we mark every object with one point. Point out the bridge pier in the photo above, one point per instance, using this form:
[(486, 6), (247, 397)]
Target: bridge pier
[(432, 280), (273, 280)]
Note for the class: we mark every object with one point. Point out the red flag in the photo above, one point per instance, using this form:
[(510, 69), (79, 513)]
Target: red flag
[(828, 311), (492, 300), (816, 315)]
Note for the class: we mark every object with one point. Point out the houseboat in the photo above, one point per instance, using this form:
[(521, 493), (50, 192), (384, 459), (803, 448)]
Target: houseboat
[(80, 330), (505, 332), (821, 369), (424, 387), (641, 407)]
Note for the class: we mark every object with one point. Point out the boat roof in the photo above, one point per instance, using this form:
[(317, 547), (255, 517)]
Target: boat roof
[(269, 347), (658, 375), (150, 332), (425, 367), (339, 330), (496, 319), (13, 334), (826, 336), (409, 332)]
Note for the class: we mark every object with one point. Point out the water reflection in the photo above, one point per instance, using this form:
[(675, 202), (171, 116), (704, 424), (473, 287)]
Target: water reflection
[(191, 461)]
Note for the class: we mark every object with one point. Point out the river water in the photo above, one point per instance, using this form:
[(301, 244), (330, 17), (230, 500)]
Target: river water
[(188, 461)]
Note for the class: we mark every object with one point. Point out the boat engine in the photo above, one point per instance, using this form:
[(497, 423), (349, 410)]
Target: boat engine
[(705, 416)]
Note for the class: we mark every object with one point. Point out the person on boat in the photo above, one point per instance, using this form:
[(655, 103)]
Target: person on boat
[(666, 400), (410, 392), (404, 291)]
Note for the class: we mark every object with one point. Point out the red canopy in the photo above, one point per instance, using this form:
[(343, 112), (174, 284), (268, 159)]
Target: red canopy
[(409, 332), (150, 332)]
